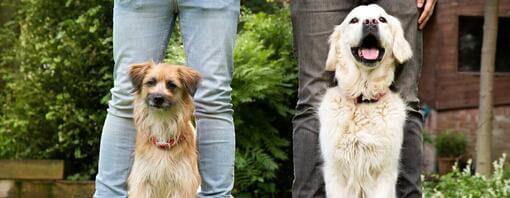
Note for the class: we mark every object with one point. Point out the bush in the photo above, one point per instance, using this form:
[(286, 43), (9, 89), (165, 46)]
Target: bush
[(264, 84), (57, 74), (450, 144), (464, 184)]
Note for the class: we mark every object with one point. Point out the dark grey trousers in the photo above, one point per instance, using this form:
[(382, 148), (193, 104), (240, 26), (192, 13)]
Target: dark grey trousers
[(313, 22)]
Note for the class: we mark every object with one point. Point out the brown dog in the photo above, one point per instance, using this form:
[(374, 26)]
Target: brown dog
[(165, 155)]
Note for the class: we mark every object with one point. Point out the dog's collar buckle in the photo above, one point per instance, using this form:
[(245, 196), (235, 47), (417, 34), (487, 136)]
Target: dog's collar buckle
[(170, 142)]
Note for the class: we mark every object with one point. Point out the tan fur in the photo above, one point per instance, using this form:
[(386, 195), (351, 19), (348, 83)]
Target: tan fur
[(361, 142), (159, 172)]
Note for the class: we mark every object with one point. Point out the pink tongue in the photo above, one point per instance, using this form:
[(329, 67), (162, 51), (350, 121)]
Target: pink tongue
[(370, 54)]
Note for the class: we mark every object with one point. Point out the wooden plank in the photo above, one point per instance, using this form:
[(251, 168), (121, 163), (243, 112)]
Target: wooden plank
[(39, 189), (46, 188), (31, 169), (74, 189)]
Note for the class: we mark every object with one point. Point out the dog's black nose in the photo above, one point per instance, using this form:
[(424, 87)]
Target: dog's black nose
[(370, 22), (157, 99), (370, 25)]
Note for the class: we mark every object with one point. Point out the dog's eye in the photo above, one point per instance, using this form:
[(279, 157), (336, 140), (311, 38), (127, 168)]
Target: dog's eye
[(382, 19), (354, 20), (170, 85), (151, 82)]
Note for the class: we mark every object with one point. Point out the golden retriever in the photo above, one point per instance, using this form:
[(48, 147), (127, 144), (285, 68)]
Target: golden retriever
[(165, 162), (362, 120)]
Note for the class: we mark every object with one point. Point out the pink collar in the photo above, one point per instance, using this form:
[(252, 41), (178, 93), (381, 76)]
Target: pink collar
[(165, 145)]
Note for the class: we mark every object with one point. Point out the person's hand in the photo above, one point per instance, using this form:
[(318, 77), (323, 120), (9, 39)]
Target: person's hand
[(427, 11)]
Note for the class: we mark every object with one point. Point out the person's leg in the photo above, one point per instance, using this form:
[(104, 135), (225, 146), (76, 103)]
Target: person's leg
[(209, 34), (312, 23), (140, 33), (409, 178), (406, 81)]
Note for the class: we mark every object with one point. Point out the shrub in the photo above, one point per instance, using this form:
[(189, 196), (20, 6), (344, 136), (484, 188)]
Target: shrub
[(450, 144), (57, 74), (464, 184)]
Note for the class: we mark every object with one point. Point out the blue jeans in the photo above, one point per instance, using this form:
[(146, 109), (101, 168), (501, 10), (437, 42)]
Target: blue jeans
[(141, 31)]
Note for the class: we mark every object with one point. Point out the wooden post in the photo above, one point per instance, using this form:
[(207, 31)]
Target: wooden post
[(484, 132)]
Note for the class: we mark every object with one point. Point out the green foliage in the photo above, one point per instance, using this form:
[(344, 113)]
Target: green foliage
[(450, 144), (263, 89), (57, 73), (466, 185), (263, 84), (266, 6)]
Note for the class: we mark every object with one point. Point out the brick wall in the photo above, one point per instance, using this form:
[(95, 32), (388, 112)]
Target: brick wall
[(442, 87), (465, 121), (453, 95)]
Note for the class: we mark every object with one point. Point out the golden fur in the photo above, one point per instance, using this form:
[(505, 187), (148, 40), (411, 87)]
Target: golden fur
[(171, 172), (360, 142)]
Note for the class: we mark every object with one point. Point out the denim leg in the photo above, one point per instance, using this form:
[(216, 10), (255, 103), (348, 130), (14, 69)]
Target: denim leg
[(140, 32), (209, 35), (115, 156)]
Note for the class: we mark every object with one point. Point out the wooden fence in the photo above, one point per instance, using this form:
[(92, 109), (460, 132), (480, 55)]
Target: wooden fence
[(39, 179)]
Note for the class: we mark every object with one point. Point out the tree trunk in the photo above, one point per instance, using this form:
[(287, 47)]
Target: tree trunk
[(484, 133)]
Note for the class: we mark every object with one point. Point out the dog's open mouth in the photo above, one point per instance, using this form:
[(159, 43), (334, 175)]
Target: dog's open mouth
[(369, 51)]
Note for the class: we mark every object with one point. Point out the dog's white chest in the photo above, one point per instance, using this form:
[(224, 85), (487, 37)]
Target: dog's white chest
[(361, 136), (369, 116), (366, 138), (360, 143)]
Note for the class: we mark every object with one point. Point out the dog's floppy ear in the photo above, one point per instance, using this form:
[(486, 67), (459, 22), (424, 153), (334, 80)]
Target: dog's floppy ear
[(401, 48), (137, 72), (332, 59), (189, 79)]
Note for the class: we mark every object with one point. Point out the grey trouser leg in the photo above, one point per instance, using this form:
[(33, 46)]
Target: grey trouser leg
[(313, 22)]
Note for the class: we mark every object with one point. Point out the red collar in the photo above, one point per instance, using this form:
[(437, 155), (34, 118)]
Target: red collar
[(165, 145)]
